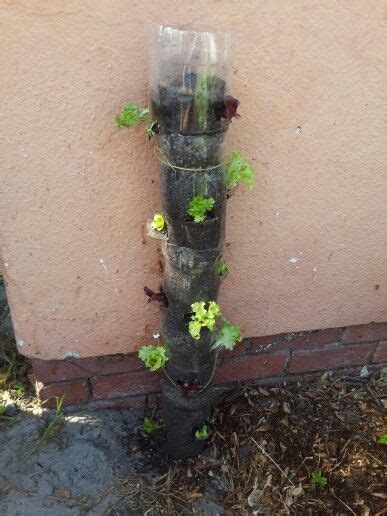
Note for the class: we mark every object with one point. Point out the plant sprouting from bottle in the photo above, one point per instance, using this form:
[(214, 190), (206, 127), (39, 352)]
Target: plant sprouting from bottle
[(228, 335), (199, 206), (202, 433), (204, 86), (154, 357), (204, 316), (158, 222), (131, 115), (222, 268), (238, 170), (208, 315)]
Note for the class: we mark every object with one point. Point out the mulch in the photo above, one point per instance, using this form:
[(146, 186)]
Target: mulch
[(267, 447), (271, 441)]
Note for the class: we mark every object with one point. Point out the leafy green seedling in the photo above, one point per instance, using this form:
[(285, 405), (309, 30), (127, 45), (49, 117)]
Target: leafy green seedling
[(222, 268), (58, 404), (132, 115), (203, 433), (318, 478), (205, 84), (158, 222), (228, 336), (2, 408), (239, 171), (199, 206), (203, 317), (149, 425), (54, 427), (383, 439), (154, 357)]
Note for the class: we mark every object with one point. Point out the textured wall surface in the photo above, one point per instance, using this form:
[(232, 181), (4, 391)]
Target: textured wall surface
[(305, 246)]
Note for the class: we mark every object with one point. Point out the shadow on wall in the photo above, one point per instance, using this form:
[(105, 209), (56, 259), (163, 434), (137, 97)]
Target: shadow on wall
[(6, 328)]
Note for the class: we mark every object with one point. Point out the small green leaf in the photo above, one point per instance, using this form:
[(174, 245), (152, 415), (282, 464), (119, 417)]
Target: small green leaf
[(199, 206), (239, 171), (318, 479), (383, 439), (149, 425), (154, 357), (158, 222), (228, 335), (202, 433), (222, 268)]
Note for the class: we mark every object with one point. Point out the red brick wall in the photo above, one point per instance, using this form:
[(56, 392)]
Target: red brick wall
[(122, 381)]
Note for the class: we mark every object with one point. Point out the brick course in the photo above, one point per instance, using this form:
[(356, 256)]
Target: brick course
[(380, 355), (122, 380), (249, 367), (73, 392), (365, 333), (330, 358)]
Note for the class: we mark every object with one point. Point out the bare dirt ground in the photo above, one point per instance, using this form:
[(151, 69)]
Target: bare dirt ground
[(301, 449)]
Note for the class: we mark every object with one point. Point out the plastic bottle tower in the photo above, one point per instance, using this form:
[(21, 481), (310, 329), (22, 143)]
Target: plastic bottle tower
[(189, 83)]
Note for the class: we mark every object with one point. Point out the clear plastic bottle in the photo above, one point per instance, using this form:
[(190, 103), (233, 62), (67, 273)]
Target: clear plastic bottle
[(189, 80)]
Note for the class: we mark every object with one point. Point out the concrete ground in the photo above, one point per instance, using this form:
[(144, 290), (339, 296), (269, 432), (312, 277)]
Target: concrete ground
[(71, 470), (77, 466)]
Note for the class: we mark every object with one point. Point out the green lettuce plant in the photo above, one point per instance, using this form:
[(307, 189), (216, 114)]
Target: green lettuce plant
[(204, 316), (203, 433), (199, 206), (131, 115), (158, 222), (154, 357), (228, 335), (208, 315), (238, 170)]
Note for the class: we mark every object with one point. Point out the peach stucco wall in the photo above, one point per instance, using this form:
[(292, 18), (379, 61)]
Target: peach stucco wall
[(305, 246)]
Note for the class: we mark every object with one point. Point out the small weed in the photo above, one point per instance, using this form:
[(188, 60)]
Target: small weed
[(149, 425), (18, 389), (318, 479), (54, 427), (383, 439)]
